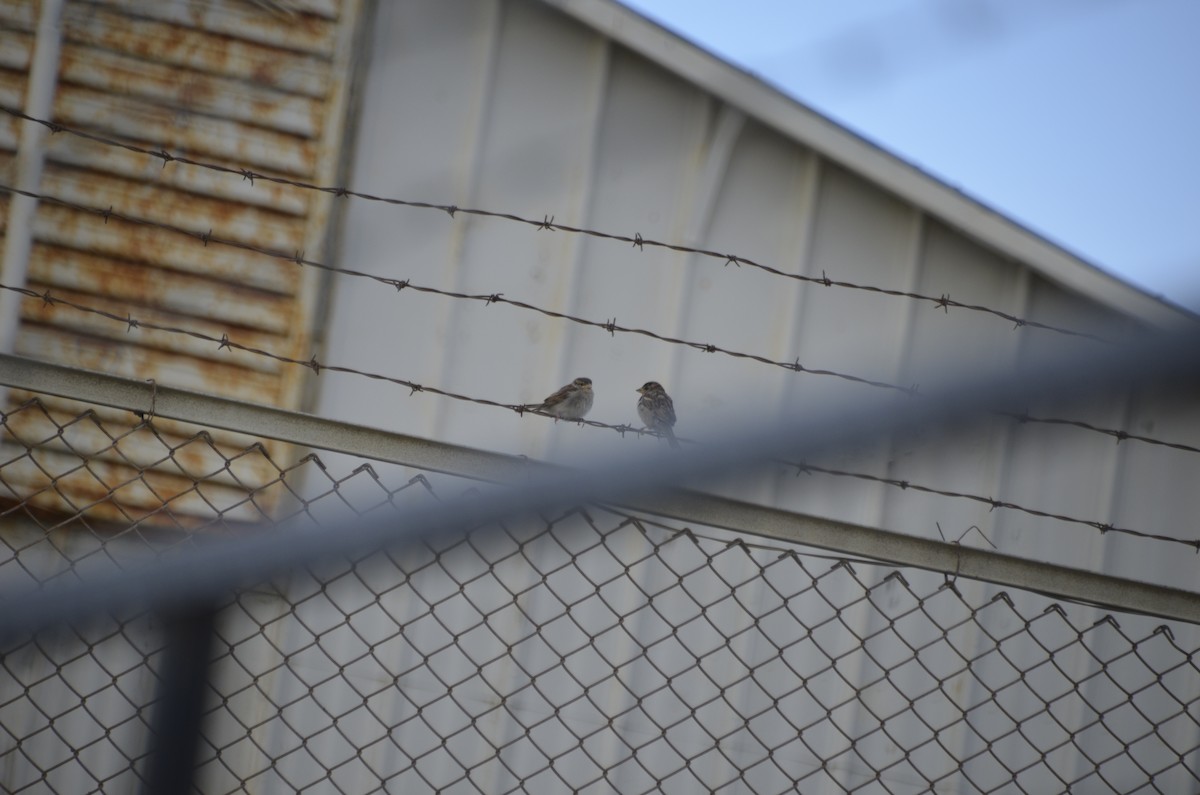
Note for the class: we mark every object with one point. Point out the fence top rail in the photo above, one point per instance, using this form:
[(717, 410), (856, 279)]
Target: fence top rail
[(646, 482)]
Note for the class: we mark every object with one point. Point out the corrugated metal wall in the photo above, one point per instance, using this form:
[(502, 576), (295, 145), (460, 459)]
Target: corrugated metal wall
[(512, 106), (246, 85)]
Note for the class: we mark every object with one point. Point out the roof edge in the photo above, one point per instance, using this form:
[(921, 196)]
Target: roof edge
[(771, 106)]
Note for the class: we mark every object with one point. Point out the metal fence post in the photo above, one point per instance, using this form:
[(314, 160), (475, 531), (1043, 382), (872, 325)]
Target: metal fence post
[(179, 708)]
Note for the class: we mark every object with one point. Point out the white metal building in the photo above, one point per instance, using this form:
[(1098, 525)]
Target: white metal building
[(584, 112)]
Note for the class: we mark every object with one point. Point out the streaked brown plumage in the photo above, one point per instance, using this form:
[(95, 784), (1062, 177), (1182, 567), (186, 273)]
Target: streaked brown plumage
[(657, 411), (572, 402)]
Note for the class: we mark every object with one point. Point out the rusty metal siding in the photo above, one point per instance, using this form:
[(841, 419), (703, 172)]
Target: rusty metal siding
[(247, 85)]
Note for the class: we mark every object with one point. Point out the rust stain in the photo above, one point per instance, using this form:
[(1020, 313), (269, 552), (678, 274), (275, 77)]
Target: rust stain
[(255, 226), (265, 73), (59, 478), (288, 69), (186, 89), (158, 295), (118, 357), (220, 82), (177, 129), (138, 491), (191, 180), (25, 405), (136, 243), (195, 91), (190, 352), (35, 420)]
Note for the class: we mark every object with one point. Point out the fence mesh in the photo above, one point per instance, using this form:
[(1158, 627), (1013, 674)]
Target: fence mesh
[(592, 651)]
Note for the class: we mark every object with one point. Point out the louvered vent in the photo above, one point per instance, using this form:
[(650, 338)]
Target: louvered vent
[(250, 85)]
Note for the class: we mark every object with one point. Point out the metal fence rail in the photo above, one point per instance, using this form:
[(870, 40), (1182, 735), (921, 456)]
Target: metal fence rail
[(593, 650)]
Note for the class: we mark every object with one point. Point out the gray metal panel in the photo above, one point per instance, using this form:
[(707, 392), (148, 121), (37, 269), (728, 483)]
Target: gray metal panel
[(862, 235), (424, 98), (533, 162), (942, 345), (761, 209), (1059, 466)]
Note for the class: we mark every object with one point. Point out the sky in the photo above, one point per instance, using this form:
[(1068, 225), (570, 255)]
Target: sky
[(1079, 119)]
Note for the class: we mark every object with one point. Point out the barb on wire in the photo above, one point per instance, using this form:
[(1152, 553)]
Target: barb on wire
[(942, 301), (801, 468)]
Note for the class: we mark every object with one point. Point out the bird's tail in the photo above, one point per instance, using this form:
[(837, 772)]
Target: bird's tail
[(670, 434)]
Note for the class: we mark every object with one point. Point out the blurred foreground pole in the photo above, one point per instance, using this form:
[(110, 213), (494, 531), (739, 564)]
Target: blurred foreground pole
[(179, 708)]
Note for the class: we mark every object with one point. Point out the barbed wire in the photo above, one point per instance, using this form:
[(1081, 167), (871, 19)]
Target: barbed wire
[(1117, 434), (993, 503), (224, 342), (610, 326), (298, 258), (547, 223)]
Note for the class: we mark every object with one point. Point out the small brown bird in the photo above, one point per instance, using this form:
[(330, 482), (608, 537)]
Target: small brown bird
[(656, 410), (571, 402)]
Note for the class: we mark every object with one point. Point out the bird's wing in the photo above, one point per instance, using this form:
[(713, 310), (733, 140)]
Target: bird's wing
[(559, 396), (667, 407)]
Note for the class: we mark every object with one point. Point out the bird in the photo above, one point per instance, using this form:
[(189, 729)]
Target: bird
[(571, 402), (656, 410)]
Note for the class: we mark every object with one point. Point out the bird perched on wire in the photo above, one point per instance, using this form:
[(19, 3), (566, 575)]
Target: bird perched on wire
[(656, 410), (571, 402)]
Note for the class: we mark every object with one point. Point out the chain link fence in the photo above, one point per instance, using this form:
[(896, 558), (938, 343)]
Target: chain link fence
[(594, 651)]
